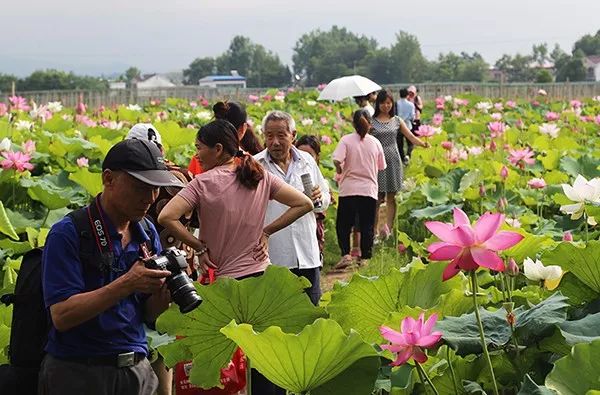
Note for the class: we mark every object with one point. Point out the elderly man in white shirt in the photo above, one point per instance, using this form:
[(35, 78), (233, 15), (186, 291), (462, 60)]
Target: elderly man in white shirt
[(296, 246)]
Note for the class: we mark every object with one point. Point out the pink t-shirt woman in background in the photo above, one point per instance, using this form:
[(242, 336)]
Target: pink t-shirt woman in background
[(231, 199), (358, 158)]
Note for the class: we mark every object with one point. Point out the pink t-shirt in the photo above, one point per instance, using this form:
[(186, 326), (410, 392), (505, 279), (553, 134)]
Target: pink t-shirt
[(231, 218), (361, 161)]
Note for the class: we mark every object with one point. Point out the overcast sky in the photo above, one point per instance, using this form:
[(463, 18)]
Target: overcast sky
[(160, 36)]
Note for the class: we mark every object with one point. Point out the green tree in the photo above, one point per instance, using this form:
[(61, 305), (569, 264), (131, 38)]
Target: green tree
[(409, 64), (199, 68), (56, 79), (131, 74), (463, 67), (322, 56), (267, 70), (237, 57), (517, 68), (571, 68), (588, 44), (540, 54), (6, 81), (543, 76), (378, 65)]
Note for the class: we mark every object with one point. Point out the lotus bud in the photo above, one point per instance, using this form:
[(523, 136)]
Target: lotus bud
[(401, 248), (482, 190), (447, 145), (567, 236), (493, 146), (502, 204), (512, 269), (504, 173)]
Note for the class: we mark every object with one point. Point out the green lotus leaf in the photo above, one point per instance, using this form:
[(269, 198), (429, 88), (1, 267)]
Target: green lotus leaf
[(6, 226), (578, 372), (310, 359), (529, 387), (582, 262), (174, 136), (435, 194), (275, 299), (585, 165), (367, 303), (91, 182), (433, 211)]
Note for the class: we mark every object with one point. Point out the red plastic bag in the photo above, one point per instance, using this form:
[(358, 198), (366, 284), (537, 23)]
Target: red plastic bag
[(233, 377)]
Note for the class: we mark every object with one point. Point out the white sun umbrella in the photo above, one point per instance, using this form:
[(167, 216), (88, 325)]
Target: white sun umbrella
[(350, 86)]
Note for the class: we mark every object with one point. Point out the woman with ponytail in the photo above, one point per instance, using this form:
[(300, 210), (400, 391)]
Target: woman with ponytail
[(358, 158), (231, 197), (236, 114)]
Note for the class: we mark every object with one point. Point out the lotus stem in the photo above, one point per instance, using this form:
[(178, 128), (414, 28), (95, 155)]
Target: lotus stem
[(587, 236), (423, 374), (481, 333), (248, 376), (452, 374)]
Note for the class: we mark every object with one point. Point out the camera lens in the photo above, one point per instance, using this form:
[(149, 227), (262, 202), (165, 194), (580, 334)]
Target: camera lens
[(183, 292)]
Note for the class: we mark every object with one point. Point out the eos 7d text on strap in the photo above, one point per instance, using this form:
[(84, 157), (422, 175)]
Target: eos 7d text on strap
[(102, 237)]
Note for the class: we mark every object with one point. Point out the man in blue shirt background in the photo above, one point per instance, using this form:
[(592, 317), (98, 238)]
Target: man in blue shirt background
[(97, 343), (405, 110)]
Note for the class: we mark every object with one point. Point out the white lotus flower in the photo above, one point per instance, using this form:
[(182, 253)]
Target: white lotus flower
[(514, 222), (279, 98), (448, 98), (484, 106), (204, 115), (536, 271), (55, 106), (307, 122), (582, 192), (550, 129), (134, 107), (5, 144), (597, 98), (23, 125), (311, 103), (475, 151)]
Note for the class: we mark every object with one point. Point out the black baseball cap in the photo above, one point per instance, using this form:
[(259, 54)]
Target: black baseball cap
[(143, 160)]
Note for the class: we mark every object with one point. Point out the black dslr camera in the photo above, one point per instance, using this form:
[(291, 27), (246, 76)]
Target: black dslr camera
[(180, 286)]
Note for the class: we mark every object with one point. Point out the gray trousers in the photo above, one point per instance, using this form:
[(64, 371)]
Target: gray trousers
[(64, 377)]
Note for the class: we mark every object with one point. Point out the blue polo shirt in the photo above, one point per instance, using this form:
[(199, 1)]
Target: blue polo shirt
[(118, 329)]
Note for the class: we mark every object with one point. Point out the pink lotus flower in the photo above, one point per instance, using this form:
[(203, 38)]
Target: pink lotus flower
[(521, 157), (204, 102), (267, 97), (83, 162), (536, 183), (193, 104), (457, 154), (512, 268), (326, 140), (470, 246), (80, 109), (461, 102), (3, 109), (552, 116), (16, 160), (447, 145), (511, 104), (253, 98), (496, 128), (519, 123), (101, 109), (504, 172), (439, 103), (437, 119), (457, 114), (19, 103), (28, 147), (576, 104), (597, 119), (85, 120), (567, 236), (496, 116), (425, 131), (415, 336), (323, 120), (499, 106), (401, 248), (320, 87)]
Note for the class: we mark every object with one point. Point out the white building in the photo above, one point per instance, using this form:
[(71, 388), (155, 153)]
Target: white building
[(117, 85), (150, 81), (223, 81), (592, 67)]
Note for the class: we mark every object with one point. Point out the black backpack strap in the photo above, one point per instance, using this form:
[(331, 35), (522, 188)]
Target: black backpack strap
[(145, 223)]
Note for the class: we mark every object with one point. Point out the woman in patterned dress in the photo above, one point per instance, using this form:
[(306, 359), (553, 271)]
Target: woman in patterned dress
[(386, 127)]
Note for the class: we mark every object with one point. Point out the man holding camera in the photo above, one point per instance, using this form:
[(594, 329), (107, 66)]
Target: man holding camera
[(98, 302)]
